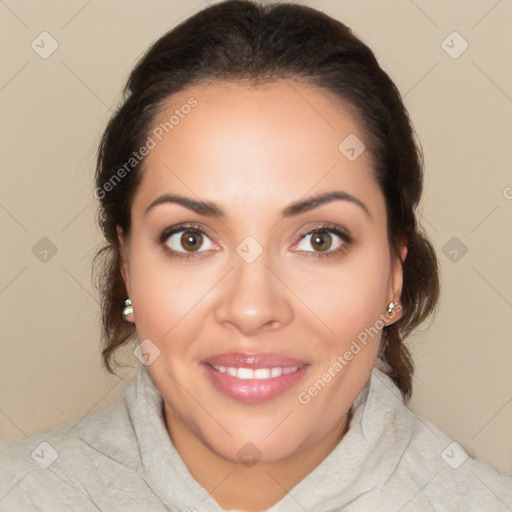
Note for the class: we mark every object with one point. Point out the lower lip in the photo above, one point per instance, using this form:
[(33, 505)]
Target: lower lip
[(253, 391)]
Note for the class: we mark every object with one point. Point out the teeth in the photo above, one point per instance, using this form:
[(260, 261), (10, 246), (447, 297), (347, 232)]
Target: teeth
[(260, 373), (231, 371), (276, 372), (245, 373)]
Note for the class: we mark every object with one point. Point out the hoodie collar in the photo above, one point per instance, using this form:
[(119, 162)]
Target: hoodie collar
[(364, 459)]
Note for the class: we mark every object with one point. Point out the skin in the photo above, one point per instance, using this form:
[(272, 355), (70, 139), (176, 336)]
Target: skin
[(253, 151)]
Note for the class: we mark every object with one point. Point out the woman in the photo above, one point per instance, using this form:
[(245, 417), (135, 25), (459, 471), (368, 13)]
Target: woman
[(257, 194)]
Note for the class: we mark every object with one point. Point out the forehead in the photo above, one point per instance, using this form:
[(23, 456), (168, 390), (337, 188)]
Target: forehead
[(272, 142)]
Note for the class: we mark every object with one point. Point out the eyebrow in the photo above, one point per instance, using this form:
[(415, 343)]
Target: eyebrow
[(210, 209)]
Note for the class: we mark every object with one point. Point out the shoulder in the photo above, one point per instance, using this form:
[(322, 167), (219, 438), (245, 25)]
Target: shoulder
[(443, 472), (105, 431), (441, 475), (57, 470)]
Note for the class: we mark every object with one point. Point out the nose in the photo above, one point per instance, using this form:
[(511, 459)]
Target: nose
[(253, 299)]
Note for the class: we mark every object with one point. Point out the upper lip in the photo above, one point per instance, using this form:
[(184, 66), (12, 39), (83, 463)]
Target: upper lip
[(253, 360)]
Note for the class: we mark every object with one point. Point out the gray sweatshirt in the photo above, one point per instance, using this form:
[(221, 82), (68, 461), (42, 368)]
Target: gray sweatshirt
[(122, 459)]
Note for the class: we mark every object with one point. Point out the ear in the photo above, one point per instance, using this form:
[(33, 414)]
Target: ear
[(123, 247), (396, 281)]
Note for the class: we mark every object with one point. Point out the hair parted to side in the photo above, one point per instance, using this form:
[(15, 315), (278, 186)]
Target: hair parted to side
[(241, 40)]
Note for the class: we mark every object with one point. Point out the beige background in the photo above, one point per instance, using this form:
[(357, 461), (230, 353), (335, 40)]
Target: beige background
[(53, 112)]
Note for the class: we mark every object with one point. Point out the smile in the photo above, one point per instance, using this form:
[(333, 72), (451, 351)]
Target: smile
[(253, 386), (259, 374)]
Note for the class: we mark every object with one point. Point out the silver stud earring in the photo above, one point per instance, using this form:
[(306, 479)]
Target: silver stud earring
[(128, 310), (391, 307)]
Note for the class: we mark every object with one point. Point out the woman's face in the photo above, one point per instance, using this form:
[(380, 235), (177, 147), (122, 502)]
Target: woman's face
[(307, 312)]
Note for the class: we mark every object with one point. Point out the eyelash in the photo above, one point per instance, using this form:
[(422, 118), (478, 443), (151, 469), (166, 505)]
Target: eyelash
[(329, 228), (324, 228)]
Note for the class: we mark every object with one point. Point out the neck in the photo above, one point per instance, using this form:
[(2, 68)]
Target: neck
[(234, 485)]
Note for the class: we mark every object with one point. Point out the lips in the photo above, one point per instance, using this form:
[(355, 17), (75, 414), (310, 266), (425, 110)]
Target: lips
[(253, 378)]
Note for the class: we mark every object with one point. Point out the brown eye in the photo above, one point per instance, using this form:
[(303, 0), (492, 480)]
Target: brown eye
[(325, 240), (321, 241), (191, 241), (181, 240)]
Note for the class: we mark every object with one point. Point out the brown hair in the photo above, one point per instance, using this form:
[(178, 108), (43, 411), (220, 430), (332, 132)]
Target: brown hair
[(242, 40)]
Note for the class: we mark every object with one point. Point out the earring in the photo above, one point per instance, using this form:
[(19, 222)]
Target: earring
[(128, 310), (391, 307)]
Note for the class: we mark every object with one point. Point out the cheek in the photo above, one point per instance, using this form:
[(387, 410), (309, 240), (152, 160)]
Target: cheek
[(347, 297), (163, 292), (350, 304)]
